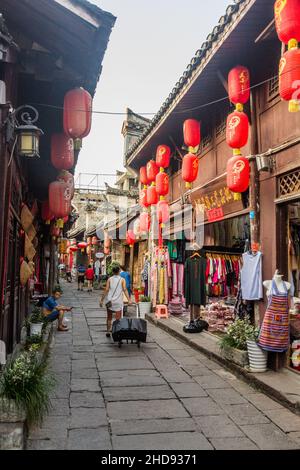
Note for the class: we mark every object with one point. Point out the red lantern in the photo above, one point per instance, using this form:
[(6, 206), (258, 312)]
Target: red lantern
[(94, 241), (163, 212), (47, 215), (190, 166), (163, 155), (143, 198), (143, 176), (68, 178), (162, 184), (59, 199), (62, 152), (130, 238), (77, 113), (152, 170), (238, 174), (82, 246), (239, 85), (152, 196), (191, 133), (237, 130), (73, 248), (287, 19), (289, 78), (145, 222)]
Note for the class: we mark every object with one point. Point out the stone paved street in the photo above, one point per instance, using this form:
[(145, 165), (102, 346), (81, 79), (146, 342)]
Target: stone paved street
[(164, 396)]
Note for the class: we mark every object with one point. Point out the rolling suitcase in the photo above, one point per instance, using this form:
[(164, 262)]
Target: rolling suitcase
[(129, 329)]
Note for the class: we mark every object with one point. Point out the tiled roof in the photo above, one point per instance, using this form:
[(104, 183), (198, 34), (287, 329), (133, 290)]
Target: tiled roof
[(196, 62), (98, 12)]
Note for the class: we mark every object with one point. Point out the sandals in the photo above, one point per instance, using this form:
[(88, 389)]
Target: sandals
[(61, 328)]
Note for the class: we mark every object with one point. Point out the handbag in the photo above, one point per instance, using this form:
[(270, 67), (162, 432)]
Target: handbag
[(108, 304)]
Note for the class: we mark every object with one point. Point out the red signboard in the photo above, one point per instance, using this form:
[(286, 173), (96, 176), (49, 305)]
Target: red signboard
[(214, 215)]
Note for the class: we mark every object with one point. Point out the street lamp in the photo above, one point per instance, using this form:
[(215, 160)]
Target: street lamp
[(28, 134)]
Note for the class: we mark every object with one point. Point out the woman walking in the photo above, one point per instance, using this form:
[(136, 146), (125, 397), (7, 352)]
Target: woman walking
[(115, 288)]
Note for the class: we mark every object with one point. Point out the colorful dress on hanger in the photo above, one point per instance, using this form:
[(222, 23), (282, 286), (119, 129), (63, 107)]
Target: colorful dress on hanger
[(274, 333)]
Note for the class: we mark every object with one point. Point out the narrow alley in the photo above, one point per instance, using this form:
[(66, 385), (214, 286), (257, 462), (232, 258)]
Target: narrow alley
[(164, 396)]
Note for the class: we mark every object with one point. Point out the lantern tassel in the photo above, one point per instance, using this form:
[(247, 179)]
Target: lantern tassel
[(239, 107), (188, 185), (294, 106)]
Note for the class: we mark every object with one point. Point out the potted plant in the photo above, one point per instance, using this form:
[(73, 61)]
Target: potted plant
[(234, 343), (138, 291), (36, 321), (257, 357), (144, 306)]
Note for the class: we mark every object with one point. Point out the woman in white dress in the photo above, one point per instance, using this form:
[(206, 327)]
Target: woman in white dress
[(115, 288)]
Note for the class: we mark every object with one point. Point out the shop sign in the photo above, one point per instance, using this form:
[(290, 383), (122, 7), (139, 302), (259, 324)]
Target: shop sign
[(214, 215)]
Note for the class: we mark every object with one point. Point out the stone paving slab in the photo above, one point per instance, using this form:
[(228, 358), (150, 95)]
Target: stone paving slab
[(89, 439), (60, 407), (85, 374), (151, 426), (165, 441), (146, 409), (285, 419), (131, 381), (218, 427), (202, 406), (87, 418), (159, 392), (47, 444), (233, 443), (176, 376), (245, 414), (188, 390), (269, 437), (123, 363), (85, 385), (86, 400), (226, 396)]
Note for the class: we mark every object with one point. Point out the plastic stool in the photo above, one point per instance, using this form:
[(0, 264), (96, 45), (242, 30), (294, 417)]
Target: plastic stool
[(161, 311)]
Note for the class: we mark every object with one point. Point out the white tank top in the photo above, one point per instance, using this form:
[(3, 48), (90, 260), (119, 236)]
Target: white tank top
[(115, 293)]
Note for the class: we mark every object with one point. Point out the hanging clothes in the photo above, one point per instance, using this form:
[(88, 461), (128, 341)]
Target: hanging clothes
[(251, 276), (194, 281), (274, 333)]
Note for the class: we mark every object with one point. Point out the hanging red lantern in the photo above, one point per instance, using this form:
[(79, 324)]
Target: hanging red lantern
[(152, 196), (130, 238), (239, 86), (152, 170), (163, 156), (190, 166), (192, 133), (47, 215), (143, 198), (77, 113), (143, 176), (162, 184), (68, 178), (287, 20), (162, 212), (94, 241), (289, 78), (82, 246), (145, 222), (59, 199), (238, 174), (237, 130), (62, 152)]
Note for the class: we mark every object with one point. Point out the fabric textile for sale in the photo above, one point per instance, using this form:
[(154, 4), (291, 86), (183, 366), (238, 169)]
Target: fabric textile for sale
[(195, 280), (222, 273), (160, 277), (251, 276)]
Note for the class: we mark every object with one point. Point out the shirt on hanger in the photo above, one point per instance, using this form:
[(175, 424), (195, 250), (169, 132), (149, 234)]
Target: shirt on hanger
[(251, 276)]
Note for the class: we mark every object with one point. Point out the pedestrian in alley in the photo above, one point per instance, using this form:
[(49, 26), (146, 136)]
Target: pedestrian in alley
[(53, 311), (80, 276), (89, 275), (97, 267), (113, 295), (126, 275)]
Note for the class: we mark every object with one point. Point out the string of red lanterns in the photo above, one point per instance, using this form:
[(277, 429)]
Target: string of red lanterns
[(287, 21), (190, 162)]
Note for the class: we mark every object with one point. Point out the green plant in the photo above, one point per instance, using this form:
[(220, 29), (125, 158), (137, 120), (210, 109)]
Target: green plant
[(111, 266), (26, 381), (145, 298), (33, 339), (238, 333), (36, 315)]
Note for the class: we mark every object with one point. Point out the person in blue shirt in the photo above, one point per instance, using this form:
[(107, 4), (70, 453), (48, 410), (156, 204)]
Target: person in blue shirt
[(125, 275), (52, 310)]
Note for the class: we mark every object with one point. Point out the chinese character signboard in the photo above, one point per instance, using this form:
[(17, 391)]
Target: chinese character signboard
[(214, 215)]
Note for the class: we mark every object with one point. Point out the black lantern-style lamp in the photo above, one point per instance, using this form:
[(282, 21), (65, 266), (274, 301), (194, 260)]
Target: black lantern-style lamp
[(28, 134)]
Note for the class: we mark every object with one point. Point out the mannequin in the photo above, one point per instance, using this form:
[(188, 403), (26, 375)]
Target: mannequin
[(278, 278), (274, 332)]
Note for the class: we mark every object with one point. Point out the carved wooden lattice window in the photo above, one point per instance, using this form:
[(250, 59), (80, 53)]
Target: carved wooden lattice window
[(221, 127), (273, 87), (206, 141), (289, 184)]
